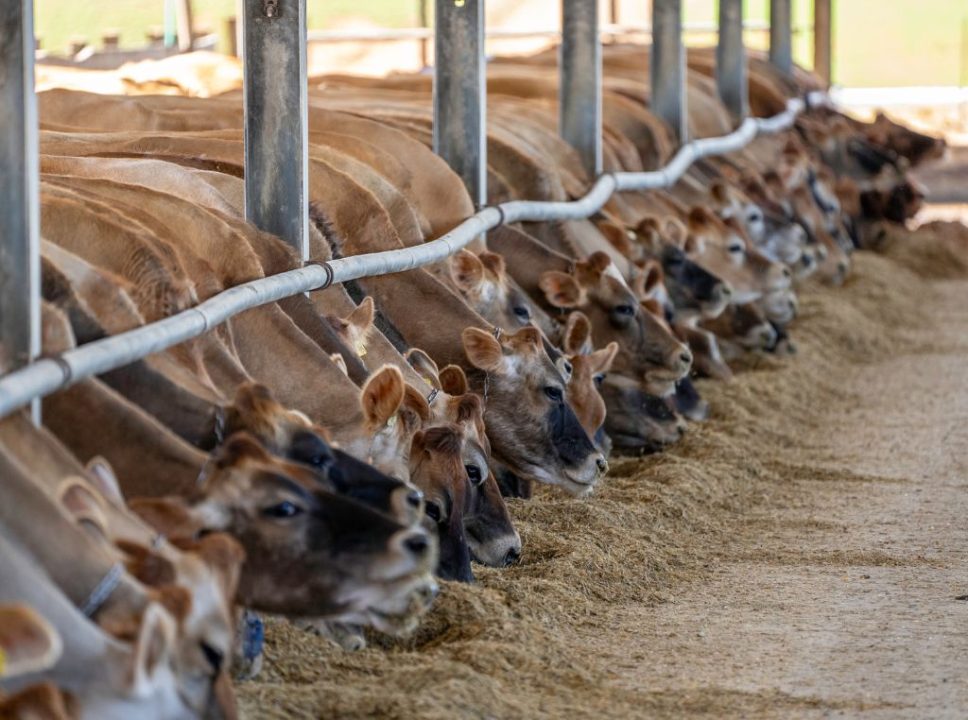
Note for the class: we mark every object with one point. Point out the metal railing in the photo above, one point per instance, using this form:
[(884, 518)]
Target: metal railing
[(48, 375)]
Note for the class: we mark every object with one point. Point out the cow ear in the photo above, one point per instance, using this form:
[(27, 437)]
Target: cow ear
[(467, 271), (597, 263), (617, 237), (470, 407), (694, 244), (676, 232), (360, 324), (561, 290), (494, 264), (340, 362), (103, 478), (577, 334), (424, 365), (146, 565), (84, 504), (719, 192), (652, 278), (28, 643), (453, 381), (153, 648), (483, 350), (414, 401), (600, 361), (239, 447), (698, 218), (381, 396), (648, 224)]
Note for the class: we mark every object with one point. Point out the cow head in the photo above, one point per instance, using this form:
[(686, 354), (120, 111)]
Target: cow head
[(532, 429), (636, 421), (722, 248), (437, 468), (490, 531), (489, 290), (690, 287), (309, 550), (588, 370), (647, 351)]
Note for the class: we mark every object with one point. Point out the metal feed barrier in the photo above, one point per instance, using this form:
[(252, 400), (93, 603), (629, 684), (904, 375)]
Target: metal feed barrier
[(275, 186)]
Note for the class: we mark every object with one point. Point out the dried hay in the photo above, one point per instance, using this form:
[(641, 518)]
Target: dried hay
[(515, 644)]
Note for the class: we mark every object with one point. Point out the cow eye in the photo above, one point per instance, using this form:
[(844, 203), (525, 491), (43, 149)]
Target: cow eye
[(554, 393), (523, 314), (433, 510), (736, 249), (599, 378), (474, 474), (627, 310), (285, 509)]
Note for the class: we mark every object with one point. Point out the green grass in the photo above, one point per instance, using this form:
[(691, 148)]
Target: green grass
[(876, 42)]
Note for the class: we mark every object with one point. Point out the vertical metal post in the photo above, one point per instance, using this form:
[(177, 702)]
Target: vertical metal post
[(276, 134), (781, 37), (731, 59), (580, 86), (823, 39), (460, 92), (668, 66), (19, 187)]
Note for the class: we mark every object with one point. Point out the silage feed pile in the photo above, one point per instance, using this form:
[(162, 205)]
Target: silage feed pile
[(521, 643)]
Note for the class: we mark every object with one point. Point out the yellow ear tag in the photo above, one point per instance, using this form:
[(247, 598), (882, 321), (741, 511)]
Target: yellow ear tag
[(428, 380), (360, 350), (392, 421), (3, 663)]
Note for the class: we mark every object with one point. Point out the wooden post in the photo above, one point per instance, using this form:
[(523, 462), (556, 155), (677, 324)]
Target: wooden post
[(276, 134), (183, 20), (19, 189), (823, 39), (424, 43), (460, 92), (580, 86)]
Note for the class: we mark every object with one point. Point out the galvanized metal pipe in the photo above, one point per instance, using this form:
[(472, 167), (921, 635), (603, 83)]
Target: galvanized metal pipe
[(781, 35), (19, 185), (49, 375), (460, 91), (731, 59), (276, 119), (668, 66), (580, 87)]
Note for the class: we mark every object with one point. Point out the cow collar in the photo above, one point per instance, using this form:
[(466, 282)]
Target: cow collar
[(103, 590)]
